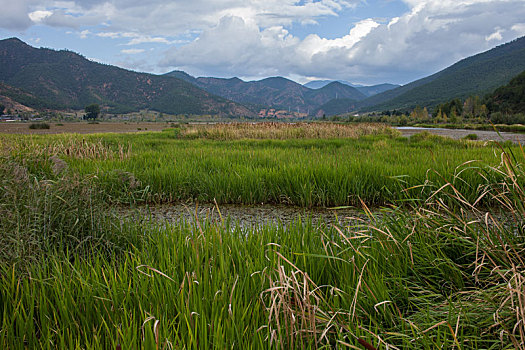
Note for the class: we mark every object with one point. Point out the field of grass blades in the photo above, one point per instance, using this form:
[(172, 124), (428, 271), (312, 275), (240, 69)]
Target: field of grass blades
[(442, 266), (325, 172)]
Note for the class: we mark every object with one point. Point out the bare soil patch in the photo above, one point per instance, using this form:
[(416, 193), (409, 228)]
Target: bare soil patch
[(82, 128)]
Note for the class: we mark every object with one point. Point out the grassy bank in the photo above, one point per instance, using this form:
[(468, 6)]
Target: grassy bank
[(439, 272), (332, 166)]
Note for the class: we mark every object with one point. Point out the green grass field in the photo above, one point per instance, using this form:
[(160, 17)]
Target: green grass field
[(440, 268), (307, 172)]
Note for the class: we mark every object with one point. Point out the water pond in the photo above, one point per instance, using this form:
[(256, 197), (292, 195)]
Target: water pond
[(248, 215)]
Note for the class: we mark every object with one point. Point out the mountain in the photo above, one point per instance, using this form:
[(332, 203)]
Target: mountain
[(336, 106), (183, 76), (276, 92), (64, 79), (475, 75), (16, 99), (317, 84), (376, 89), (335, 90), (366, 90), (509, 99)]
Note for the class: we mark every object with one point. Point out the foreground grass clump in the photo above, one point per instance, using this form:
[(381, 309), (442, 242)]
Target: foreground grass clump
[(441, 271), (432, 277), (45, 208)]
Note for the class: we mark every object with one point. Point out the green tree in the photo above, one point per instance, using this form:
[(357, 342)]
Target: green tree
[(419, 114), (438, 119), (92, 111)]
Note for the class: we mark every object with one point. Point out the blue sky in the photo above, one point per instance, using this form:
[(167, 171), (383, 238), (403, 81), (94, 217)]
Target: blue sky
[(365, 42)]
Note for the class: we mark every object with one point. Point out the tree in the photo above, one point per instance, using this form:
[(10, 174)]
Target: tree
[(92, 111), (2, 109), (419, 114), (438, 119)]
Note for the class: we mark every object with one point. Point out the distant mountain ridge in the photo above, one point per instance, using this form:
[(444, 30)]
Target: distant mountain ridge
[(44, 78), (277, 92), (475, 75), (64, 79), (366, 90)]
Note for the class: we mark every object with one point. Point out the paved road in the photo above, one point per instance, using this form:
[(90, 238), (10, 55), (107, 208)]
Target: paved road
[(460, 133)]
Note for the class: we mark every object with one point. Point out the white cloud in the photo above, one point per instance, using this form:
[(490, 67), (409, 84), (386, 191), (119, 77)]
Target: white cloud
[(140, 39), (14, 15), (84, 34), (111, 35), (132, 51), (519, 28), (169, 18), (255, 37), (134, 38), (495, 36), (39, 16), (430, 36)]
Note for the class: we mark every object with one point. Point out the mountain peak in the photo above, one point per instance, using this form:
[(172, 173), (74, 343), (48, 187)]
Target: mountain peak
[(13, 40), (66, 80)]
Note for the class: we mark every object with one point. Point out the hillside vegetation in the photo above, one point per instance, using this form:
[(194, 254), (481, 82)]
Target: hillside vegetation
[(336, 106), (509, 99), (64, 79), (475, 75)]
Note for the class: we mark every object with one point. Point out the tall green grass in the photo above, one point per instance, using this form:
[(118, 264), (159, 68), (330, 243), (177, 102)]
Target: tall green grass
[(45, 209), (416, 280), (304, 172), (441, 271)]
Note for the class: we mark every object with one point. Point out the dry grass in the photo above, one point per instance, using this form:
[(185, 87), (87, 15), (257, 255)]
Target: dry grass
[(83, 128), (299, 314), (69, 146), (282, 131)]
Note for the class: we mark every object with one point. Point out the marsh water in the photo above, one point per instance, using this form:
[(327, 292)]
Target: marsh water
[(250, 215)]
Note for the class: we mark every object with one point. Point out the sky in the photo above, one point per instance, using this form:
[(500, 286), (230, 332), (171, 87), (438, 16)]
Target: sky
[(361, 41)]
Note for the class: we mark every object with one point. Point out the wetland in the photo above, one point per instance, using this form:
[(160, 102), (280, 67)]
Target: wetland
[(224, 236)]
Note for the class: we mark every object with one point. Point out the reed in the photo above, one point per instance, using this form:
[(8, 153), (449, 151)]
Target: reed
[(282, 131)]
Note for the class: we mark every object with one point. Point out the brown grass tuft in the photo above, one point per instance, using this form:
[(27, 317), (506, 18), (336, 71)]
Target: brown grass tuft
[(282, 131)]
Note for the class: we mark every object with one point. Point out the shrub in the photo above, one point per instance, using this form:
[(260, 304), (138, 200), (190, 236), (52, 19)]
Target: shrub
[(471, 137), (39, 126)]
